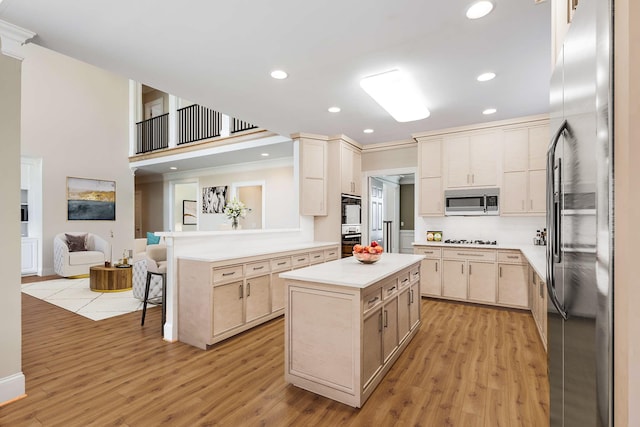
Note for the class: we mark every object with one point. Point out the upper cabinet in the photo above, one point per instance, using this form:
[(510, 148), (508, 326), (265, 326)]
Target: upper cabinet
[(350, 169), (313, 175), (430, 177), (524, 178), (471, 160)]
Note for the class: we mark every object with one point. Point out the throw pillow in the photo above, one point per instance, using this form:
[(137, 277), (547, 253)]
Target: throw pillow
[(76, 242), (152, 239)]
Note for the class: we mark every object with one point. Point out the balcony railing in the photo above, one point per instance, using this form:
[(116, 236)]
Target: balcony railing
[(238, 125), (152, 134), (196, 123)]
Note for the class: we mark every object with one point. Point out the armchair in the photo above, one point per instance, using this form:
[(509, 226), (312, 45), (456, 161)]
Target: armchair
[(69, 263)]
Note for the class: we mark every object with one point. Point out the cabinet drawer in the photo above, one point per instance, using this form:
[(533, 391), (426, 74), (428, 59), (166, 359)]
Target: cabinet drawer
[(471, 255), (414, 274), (428, 252), (404, 279), (280, 264), (513, 257), (224, 274), (390, 288), (257, 268), (330, 254), (300, 260), (316, 257), (371, 299)]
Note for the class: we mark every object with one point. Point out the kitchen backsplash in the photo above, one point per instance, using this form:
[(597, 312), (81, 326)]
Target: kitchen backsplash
[(519, 230)]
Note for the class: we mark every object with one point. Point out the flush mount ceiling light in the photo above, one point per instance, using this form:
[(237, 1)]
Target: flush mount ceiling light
[(173, 168), (479, 9), (279, 74), (264, 154), (368, 131), (489, 111), (334, 109), (485, 77), (395, 94)]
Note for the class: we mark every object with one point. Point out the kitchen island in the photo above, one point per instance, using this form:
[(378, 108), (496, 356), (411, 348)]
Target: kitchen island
[(346, 323)]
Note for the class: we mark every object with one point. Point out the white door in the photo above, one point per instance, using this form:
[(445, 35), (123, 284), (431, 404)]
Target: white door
[(251, 196), (153, 108), (375, 211)]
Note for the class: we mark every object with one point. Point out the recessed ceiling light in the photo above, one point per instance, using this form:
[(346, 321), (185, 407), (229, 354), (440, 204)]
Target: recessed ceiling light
[(485, 77), (265, 154), (368, 131), (279, 74), (393, 91), (479, 9), (334, 109), (173, 168), (489, 111)]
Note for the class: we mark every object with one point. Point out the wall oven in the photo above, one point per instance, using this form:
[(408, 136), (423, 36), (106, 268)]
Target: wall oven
[(350, 236), (351, 212), (473, 201)]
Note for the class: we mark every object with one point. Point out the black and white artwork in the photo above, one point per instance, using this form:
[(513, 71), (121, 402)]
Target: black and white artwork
[(214, 199)]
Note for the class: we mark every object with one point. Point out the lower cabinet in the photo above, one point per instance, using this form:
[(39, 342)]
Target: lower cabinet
[(512, 285), (389, 328), (430, 271), (538, 298), (29, 255), (227, 303), (454, 279), (482, 282), (371, 348), (257, 297)]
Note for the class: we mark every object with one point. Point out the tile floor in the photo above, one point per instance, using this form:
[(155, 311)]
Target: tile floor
[(74, 295)]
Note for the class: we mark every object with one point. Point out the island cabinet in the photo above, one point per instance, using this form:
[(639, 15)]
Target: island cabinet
[(346, 323), (219, 298)]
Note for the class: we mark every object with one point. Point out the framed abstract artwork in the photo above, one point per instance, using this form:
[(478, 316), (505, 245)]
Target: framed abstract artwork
[(214, 199), (91, 199)]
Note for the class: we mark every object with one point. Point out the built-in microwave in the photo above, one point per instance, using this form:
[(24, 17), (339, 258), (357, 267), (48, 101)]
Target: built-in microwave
[(472, 201), (351, 210)]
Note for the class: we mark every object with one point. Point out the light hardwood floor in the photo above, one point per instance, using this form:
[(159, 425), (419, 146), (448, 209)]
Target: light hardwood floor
[(467, 366)]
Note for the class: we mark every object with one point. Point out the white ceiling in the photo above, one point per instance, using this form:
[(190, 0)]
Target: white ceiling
[(220, 54)]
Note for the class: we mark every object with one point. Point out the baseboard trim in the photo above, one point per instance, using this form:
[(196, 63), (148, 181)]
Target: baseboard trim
[(12, 388)]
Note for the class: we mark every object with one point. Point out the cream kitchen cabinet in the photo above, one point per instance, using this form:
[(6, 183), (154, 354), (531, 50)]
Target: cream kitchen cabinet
[(219, 299), (430, 177), (524, 177), (469, 274), (350, 169), (454, 279), (538, 298), (313, 176), (471, 160), (512, 279), (482, 282), (430, 270)]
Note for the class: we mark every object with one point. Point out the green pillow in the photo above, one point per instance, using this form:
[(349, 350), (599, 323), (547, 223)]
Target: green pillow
[(152, 239)]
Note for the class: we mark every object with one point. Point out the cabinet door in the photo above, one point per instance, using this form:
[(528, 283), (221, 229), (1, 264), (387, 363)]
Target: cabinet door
[(29, 256), (514, 192), (457, 158), (227, 306), (277, 292), (516, 150), (537, 191), (350, 170), (313, 184), (533, 295), (484, 153), (371, 346), (430, 153), (454, 279), (390, 328), (430, 277), (538, 142), (404, 316), (542, 308), (257, 294), (431, 197), (482, 282), (356, 171), (512, 285), (414, 310)]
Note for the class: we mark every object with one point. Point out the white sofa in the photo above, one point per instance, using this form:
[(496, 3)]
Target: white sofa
[(67, 263), (140, 270)]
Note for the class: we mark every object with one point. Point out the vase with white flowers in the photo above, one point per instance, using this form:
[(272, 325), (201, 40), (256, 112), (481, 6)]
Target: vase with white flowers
[(233, 210)]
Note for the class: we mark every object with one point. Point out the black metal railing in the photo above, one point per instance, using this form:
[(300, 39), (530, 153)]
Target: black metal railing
[(238, 125), (152, 134), (196, 123)]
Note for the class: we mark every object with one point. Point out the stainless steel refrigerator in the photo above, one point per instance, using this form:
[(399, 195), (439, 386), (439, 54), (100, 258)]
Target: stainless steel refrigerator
[(579, 222)]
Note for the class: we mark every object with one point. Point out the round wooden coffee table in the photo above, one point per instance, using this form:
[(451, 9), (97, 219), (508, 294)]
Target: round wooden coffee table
[(110, 279)]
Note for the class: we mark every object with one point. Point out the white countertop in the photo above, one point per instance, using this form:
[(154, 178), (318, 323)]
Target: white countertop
[(352, 273), (225, 255), (535, 255)]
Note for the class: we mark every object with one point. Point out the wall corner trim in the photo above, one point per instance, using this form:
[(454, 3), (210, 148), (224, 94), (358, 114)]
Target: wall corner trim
[(12, 38)]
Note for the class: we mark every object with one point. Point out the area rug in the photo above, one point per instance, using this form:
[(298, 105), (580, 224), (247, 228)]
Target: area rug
[(74, 295)]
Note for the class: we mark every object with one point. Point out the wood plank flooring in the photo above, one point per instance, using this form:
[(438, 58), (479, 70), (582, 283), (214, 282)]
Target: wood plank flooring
[(467, 366)]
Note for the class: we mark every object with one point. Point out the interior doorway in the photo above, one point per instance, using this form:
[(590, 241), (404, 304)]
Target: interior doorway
[(391, 210), (153, 108), (252, 195)]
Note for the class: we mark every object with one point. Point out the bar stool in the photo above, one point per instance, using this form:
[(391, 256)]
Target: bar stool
[(156, 266)]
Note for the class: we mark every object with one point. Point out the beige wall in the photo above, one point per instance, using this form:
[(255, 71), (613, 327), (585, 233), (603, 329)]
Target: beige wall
[(152, 193), (152, 96), (75, 117), (11, 379), (406, 157), (627, 213)]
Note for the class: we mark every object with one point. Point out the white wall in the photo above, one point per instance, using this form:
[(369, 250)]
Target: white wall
[(12, 384), (504, 229), (75, 117), (183, 192)]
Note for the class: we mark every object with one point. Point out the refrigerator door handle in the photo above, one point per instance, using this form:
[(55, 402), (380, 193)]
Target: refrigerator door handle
[(554, 201)]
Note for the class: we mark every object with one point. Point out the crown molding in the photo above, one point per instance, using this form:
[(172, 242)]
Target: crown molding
[(12, 38)]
